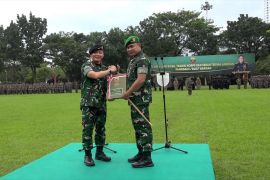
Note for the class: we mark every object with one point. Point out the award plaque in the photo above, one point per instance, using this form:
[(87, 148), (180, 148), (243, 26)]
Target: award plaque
[(116, 86)]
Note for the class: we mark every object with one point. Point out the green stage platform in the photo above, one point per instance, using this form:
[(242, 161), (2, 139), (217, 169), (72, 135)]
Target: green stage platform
[(67, 163)]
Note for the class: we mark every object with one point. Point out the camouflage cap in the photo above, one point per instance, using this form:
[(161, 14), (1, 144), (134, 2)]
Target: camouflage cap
[(95, 48), (131, 39)]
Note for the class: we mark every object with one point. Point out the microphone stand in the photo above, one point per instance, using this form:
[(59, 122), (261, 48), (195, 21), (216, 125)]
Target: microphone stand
[(167, 143)]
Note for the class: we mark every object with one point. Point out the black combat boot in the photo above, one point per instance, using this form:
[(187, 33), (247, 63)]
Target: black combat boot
[(100, 155), (88, 161), (137, 157), (145, 161)]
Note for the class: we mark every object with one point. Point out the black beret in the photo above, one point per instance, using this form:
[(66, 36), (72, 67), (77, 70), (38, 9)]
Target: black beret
[(95, 48)]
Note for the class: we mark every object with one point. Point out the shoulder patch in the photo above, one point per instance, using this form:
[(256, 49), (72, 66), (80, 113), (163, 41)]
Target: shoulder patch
[(86, 69)]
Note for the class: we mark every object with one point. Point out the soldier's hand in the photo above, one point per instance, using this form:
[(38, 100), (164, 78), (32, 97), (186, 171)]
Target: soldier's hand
[(118, 68), (125, 96), (113, 69), (110, 99)]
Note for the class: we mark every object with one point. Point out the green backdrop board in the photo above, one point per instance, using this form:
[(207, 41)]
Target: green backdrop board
[(211, 64), (67, 163)]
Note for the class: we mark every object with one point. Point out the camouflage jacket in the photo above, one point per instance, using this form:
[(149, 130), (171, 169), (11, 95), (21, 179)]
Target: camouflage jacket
[(93, 91), (140, 64)]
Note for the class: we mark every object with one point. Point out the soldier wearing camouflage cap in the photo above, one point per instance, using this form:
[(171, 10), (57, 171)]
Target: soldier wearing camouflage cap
[(93, 103), (139, 92)]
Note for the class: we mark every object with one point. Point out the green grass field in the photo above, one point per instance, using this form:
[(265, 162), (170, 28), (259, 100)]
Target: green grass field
[(235, 123)]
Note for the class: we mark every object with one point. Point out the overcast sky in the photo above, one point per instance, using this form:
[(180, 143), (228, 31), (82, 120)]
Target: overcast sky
[(85, 16)]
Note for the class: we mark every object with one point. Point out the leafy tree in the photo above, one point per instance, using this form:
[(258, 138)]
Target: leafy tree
[(96, 38), (2, 48), (67, 50), (79, 56), (115, 52), (171, 33), (14, 46), (247, 35), (43, 73), (32, 32), (201, 37), (263, 65), (11, 48)]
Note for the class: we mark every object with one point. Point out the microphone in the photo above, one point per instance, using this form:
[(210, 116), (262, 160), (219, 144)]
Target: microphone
[(163, 66)]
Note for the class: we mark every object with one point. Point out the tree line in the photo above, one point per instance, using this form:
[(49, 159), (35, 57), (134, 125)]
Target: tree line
[(26, 50)]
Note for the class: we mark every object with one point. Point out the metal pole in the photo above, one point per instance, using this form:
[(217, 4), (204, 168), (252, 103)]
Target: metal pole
[(164, 108)]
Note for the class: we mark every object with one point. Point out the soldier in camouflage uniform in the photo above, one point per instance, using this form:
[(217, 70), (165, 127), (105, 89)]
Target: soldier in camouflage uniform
[(238, 82), (198, 83), (189, 85), (175, 83), (93, 104), (139, 92)]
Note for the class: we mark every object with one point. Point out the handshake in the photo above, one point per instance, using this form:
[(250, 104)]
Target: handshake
[(114, 69)]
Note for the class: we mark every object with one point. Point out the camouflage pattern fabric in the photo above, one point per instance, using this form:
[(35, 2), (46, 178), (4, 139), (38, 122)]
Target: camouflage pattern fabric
[(93, 105), (143, 131), (189, 85), (93, 118), (260, 81), (175, 83), (137, 65), (245, 80), (141, 98), (238, 82), (93, 92), (245, 83), (198, 83), (34, 88)]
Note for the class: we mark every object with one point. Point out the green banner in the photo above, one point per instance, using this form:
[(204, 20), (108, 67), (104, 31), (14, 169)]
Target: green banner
[(222, 64)]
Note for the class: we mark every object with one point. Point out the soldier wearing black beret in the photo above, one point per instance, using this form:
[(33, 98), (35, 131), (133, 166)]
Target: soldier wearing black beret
[(93, 103), (95, 48)]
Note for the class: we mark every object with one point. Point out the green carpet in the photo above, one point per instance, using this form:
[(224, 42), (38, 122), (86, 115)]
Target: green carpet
[(67, 163)]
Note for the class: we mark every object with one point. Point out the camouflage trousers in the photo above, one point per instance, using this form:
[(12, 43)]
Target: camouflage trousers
[(143, 131), (238, 82), (190, 90), (245, 83), (93, 117)]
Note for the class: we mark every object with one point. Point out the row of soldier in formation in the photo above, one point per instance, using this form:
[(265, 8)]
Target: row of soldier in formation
[(36, 88), (260, 81), (179, 83), (217, 82)]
